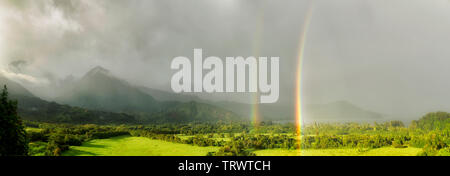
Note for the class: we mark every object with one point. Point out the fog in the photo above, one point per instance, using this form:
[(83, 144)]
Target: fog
[(387, 56)]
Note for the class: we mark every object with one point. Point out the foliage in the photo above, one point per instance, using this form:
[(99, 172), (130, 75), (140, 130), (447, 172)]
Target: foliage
[(13, 137), (243, 138)]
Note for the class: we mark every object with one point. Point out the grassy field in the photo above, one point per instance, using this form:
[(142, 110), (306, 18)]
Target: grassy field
[(141, 146), (37, 148), (215, 137), (385, 151), (30, 129), (136, 146)]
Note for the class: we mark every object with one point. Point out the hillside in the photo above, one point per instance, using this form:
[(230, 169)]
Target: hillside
[(14, 88), (100, 90), (100, 95), (340, 111), (33, 108), (194, 111), (331, 112), (433, 121), (162, 95)]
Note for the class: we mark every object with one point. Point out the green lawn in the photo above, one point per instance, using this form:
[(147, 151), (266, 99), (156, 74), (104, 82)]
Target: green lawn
[(385, 151), (136, 146)]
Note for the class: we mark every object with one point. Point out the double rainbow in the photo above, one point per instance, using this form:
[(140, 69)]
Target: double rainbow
[(298, 89)]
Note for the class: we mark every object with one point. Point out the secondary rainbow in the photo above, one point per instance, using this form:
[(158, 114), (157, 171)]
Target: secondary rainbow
[(257, 41)]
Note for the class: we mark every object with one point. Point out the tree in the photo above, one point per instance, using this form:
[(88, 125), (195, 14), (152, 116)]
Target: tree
[(13, 140)]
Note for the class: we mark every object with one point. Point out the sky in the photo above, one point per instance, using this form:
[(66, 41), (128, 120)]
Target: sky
[(388, 56)]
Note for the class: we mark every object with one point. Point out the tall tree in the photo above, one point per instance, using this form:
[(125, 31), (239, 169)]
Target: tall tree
[(13, 138)]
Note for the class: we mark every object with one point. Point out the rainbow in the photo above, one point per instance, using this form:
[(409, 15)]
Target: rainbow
[(298, 88), (255, 111), (256, 52)]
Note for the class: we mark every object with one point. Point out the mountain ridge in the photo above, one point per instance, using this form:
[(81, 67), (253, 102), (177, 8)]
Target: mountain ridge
[(34, 108), (99, 89)]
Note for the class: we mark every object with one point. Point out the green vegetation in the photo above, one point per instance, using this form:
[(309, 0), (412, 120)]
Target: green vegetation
[(37, 148), (136, 146), (384, 151), (193, 111), (244, 139)]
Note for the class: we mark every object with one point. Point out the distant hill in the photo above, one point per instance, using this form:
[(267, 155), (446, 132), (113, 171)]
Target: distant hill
[(340, 111), (433, 121), (100, 97), (332, 112), (194, 111), (100, 90), (162, 95), (14, 88), (36, 109), (266, 111)]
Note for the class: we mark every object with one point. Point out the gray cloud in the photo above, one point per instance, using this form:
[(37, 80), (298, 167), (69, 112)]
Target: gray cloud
[(17, 65)]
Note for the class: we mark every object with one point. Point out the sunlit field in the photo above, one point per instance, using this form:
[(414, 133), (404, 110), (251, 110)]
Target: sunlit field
[(385, 151), (141, 146), (136, 146), (30, 129), (426, 137)]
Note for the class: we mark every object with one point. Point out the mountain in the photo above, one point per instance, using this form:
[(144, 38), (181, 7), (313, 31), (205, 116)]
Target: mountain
[(266, 111), (100, 90), (194, 111), (340, 111), (33, 108), (14, 88), (162, 95), (100, 97)]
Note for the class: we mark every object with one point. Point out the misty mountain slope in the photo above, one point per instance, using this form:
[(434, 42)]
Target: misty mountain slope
[(36, 109), (14, 88), (100, 90), (33, 108), (162, 95), (266, 111), (270, 111), (339, 111), (331, 112), (194, 111)]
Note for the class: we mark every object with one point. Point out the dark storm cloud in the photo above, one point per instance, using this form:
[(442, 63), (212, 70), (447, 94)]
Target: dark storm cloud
[(17, 65), (388, 56)]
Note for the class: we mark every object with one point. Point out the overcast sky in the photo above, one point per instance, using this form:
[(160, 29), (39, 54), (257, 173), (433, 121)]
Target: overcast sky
[(389, 56)]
